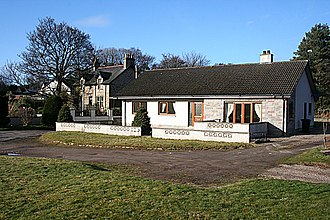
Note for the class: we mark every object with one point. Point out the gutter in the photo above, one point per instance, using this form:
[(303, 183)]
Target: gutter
[(275, 96)]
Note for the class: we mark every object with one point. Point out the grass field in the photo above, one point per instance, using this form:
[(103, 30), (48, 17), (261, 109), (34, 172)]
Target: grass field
[(310, 157), (58, 189), (113, 141)]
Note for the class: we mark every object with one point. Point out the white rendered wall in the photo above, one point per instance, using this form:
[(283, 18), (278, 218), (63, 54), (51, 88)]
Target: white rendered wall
[(180, 119), (303, 95)]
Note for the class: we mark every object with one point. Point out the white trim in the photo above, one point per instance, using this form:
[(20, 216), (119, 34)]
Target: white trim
[(202, 97)]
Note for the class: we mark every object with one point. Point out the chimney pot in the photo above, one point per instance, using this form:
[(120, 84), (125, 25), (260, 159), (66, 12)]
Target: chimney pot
[(128, 60)]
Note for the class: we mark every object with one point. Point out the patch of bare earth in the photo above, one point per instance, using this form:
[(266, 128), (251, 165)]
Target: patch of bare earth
[(313, 174)]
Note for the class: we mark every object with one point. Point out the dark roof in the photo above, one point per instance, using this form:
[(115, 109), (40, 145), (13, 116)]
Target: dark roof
[(277, 78), (108, 73)]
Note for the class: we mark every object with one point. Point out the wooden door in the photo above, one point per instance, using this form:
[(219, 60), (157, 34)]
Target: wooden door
[(196, 112)]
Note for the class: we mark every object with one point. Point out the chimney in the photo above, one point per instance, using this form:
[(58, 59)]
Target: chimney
[(266, 57), (128, 60)]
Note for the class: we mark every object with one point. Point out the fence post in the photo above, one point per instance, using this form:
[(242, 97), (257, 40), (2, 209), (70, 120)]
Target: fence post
[(92, 111), (73, 113)]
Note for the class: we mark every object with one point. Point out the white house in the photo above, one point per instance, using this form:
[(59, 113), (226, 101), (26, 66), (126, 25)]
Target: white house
[(50, 88), (279, 94)]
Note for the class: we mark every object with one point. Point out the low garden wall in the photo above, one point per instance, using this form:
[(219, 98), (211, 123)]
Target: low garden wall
[(214, 131), (98, 128)]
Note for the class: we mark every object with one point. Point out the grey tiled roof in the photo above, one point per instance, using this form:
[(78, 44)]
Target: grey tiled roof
[(277, 78), (107, 73)]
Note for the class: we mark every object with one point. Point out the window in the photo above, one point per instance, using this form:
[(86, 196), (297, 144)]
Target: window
[(99, 83), (137, 105), (90, 100), (99, 100), (242, 112), (309, 108), (166, 108)]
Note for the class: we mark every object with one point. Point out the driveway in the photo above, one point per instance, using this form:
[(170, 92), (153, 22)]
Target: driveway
[(206, 167)]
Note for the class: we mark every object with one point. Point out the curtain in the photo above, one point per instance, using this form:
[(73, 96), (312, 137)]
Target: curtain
[(229, 110), (163, 108), (257, 108)]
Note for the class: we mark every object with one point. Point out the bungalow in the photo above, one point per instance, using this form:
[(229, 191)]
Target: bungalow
[(100, 84), (279, 94)]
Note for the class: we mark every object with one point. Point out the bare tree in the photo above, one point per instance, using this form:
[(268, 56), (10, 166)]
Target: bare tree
[(170, 61), (192, 59), (115, 56), (56, 51), (11, 75), (189, 59)]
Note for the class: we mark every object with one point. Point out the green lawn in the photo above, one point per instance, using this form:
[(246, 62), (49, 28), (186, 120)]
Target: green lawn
[(113, 141), (310, 157), (58, 189)]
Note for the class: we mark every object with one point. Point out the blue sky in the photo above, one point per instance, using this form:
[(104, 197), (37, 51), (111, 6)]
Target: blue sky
[(233, 31)]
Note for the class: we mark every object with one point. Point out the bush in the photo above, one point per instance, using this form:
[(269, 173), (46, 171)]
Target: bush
[(4, 120), (51, 109), (142, 120), (65, 115)]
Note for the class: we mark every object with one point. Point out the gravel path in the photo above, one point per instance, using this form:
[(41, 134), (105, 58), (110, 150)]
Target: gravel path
[(311, 174)]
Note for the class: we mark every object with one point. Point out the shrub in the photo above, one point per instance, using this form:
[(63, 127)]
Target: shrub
[(142, 120), (51, 109), (4, 120), (26, 114), (65, 115)]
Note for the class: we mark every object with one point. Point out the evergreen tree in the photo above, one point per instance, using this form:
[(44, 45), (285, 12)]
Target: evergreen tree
[(142, 120), (315, 47), (65, 115), (4, 120), (51, 109)]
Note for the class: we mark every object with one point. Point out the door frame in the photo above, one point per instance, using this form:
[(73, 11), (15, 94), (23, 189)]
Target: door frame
[(192, 113)]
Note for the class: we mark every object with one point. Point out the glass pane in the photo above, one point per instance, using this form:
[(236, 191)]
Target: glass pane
[(135, 107), (247, 113), (171, 108), (238, 113), (190, 114), (229, 109), (256, 112), (162, 107), (198, 109), (144, 105)]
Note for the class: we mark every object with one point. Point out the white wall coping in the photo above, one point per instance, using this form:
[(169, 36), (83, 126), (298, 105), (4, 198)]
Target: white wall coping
[(213, 131), (98, 128)]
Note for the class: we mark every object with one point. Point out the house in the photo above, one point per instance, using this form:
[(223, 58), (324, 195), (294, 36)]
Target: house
[(279, 94), (50, 88), (99, 85)]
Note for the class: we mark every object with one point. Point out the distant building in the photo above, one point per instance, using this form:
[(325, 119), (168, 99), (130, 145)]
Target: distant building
[(50, 88), (104, 82)]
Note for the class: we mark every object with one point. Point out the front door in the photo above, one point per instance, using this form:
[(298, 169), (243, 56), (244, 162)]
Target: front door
[(196, 112)]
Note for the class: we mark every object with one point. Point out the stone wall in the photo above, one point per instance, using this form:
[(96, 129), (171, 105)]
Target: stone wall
[(272, 112), (213, 109)]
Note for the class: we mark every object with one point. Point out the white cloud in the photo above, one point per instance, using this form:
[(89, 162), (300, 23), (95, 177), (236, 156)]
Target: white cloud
[(94, 21), (250, 22)]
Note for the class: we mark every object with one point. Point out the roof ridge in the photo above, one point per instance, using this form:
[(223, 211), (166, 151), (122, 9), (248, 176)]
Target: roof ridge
[(226, 65)]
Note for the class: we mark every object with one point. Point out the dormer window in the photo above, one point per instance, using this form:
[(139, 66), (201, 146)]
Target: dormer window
[(99, 81)]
